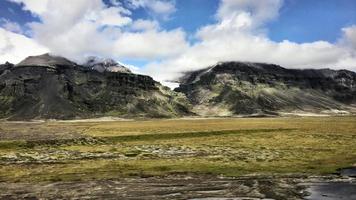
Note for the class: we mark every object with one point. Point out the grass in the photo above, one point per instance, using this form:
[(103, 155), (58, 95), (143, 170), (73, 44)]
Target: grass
[(173, 136), (231, 147)]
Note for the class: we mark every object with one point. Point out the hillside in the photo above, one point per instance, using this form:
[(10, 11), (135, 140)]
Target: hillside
[(52, 87), (237, 88)]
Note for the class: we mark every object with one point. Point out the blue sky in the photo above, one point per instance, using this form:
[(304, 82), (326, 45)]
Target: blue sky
[(165, 37), (13, 11), (310, 20)]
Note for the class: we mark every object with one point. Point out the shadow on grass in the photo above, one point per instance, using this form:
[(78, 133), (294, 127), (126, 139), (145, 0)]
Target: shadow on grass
[(128, 138), (167, 136)]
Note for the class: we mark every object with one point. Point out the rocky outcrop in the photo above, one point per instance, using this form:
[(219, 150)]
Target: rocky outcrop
[(46, 60), (54, 87), (236, 88)]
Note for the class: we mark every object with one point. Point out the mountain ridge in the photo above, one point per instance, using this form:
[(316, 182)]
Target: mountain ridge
[(235, 88), (50, 87)]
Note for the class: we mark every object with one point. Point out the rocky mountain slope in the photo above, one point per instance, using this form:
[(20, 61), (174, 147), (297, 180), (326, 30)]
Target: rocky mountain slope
[(48, 86), (236, 88), (53, 87)]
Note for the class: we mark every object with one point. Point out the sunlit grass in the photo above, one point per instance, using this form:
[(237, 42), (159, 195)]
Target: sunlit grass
[(231, 147)]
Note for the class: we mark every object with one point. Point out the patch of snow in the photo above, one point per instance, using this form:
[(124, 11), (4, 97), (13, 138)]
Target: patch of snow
[(105, 65)]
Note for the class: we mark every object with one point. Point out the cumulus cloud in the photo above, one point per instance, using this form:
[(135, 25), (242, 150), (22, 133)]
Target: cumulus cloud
[(161, 8), (84, 28), (116, 2), (141, 25), (151, 44), (14, 47), (112, 16), (349, 37), (258, 12), (239, 35)]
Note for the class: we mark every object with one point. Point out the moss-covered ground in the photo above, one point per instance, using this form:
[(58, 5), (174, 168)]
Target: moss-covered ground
[(55, 151)]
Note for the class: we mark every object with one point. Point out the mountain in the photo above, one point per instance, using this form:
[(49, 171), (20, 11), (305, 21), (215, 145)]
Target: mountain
[(53, 87), (238, 88), (105, 65), (45, 60)]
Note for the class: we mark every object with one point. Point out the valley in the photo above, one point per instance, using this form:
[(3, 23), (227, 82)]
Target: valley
[(216, 157), (178, 100)]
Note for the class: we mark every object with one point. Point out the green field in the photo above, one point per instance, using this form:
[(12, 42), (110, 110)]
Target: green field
[(56, 151)]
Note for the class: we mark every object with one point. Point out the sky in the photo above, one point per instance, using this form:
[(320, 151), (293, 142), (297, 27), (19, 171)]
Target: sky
[(164, 38)]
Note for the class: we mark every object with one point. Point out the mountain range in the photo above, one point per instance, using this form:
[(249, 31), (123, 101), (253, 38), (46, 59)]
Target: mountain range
[(242, 88), (53, 87)]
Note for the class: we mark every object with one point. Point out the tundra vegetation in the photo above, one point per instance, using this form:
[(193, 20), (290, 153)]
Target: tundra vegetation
[(99, 150)]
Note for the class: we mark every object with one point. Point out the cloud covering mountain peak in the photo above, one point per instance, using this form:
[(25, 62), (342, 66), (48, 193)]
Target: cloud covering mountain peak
[(239, 32)]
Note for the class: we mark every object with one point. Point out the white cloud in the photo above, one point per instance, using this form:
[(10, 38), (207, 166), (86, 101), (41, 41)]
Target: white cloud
[(112, 17), (151, 44), (116, 2), (239, 35), (15, 47), (162, 8), (84, 28), (259, 11), (92, 28), (349, 37), (141, 25)]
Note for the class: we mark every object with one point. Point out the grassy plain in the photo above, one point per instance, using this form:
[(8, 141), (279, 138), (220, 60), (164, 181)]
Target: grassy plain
[(55, 151)]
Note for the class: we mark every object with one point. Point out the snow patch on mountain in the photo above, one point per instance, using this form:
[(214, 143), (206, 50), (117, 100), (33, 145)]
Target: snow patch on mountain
[(105, 65)]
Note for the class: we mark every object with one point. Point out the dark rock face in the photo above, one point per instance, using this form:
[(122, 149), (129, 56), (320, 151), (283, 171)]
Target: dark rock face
[(62, 90), (45, 60), (255, 88)]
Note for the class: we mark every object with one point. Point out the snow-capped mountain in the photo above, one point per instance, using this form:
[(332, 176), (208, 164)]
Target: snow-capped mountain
[(105, 65)]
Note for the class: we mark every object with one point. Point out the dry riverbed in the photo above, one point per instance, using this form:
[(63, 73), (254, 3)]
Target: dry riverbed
[(188, 187)]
